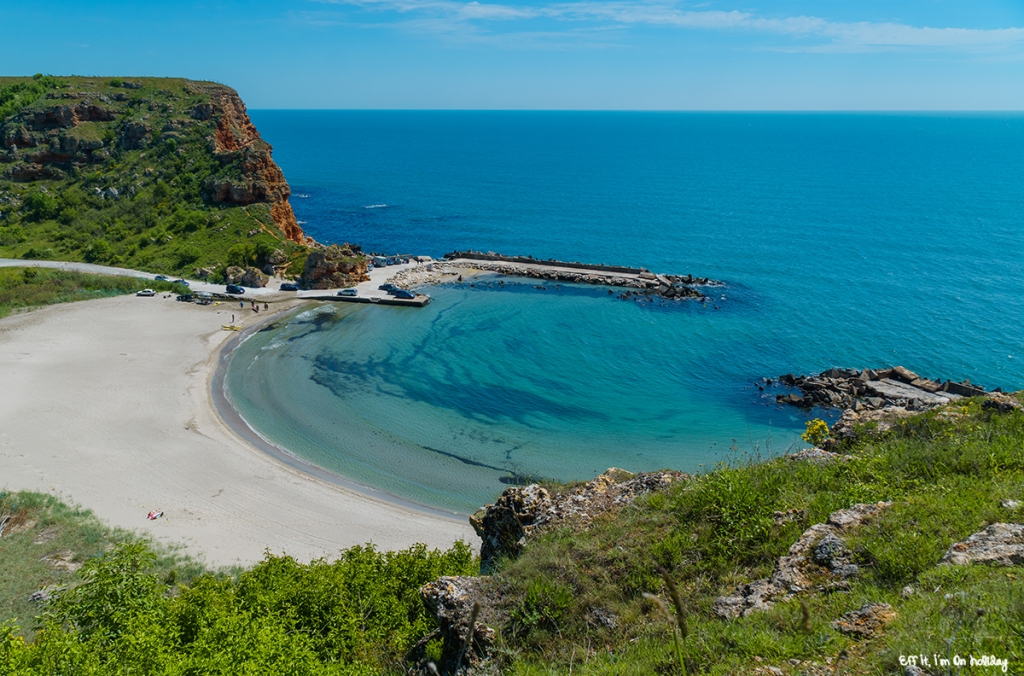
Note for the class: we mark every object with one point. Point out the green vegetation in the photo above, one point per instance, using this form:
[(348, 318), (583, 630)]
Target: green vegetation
[(946, 472), (24, 288), (631, 594), (129, 180), (132, 610)]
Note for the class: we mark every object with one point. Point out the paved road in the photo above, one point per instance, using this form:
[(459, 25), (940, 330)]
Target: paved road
[(366, 289)]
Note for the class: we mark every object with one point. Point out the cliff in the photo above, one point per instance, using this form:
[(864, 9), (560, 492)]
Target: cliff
[(156, 173)]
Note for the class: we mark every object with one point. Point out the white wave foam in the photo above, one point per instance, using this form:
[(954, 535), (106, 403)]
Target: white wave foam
[(310, 315), (375, 206)]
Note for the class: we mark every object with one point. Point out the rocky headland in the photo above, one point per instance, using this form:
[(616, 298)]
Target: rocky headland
[(161, 174)]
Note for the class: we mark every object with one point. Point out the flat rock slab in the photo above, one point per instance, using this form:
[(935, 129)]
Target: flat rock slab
[(894, 389), (1001, 544)]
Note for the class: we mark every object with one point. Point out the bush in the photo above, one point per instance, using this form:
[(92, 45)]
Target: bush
[(40, 206)]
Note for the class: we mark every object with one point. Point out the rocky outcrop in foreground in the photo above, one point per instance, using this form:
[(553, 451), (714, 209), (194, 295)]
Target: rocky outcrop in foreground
[(463, 611), (520, 513), (466, 608), (872, 389), (820, 558)]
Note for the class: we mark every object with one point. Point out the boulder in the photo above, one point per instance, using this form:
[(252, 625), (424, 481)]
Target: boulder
[(866, 621), (1001, 544), (519, 512), (1001, 402), (904, 374), (248, 276)]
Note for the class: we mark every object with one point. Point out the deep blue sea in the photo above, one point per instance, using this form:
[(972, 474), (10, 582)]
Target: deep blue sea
[(844, 240)]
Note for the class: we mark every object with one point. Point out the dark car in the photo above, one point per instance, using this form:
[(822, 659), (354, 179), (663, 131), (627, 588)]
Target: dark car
[(233, 288), (184, 298), (288, 286), (402, 293), (390, 288), (160, 278)]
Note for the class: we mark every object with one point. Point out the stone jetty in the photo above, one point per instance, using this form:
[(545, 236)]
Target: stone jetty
[(637, 281)]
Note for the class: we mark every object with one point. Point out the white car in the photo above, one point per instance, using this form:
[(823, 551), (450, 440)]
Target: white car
[(146, 292)]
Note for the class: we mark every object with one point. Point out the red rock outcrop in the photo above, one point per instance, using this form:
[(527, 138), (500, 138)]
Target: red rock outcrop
[(261, 180), (333, 267)]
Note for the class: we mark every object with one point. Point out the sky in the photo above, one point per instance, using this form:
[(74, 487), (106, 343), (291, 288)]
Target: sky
[(543, 54)]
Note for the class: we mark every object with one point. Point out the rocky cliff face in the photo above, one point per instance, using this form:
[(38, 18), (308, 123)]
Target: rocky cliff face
[(70, 126), (236, 142)]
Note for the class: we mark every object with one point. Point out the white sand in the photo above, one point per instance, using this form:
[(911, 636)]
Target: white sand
[(107, 404)]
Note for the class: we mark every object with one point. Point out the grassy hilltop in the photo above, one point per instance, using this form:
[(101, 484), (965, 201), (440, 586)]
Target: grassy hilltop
[(160, 174)]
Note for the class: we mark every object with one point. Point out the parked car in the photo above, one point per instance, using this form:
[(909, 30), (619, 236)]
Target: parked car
[(390, 288), (288, 286), (184, 298), (348, 292), (146, 292), (402, 293), (233, 288), (160, 278), (181, 281)]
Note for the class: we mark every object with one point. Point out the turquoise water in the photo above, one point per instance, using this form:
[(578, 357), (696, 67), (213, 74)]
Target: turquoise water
[(844, 240)]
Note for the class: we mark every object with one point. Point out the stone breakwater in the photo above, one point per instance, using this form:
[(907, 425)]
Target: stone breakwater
[(637, 284)]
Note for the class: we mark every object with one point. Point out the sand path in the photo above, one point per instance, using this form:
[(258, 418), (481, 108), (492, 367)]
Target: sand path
[(107, 403)]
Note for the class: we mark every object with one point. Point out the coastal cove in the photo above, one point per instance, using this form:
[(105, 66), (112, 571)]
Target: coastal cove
[(504, 380), (448, 404)]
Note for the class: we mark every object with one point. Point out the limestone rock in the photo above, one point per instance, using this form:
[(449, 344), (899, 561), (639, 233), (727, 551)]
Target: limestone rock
[(1000, 402), (248, 276), (817, 456), (819, 556), (1001, 544), (334, 267), (866, 621), (451, 600), (519, 512)]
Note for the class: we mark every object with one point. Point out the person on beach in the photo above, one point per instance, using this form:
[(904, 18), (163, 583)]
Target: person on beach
[(241, 305), (266, 306)]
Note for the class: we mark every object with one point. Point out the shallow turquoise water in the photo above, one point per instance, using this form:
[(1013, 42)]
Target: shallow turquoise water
[(845, 240), (500, 382)]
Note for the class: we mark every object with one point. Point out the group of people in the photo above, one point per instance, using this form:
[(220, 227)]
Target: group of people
[(255, 306)]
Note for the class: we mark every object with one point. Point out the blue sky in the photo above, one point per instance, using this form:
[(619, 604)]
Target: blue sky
[(544, 54)]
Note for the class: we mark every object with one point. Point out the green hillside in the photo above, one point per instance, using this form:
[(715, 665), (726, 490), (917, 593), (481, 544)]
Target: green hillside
[(159, 174)]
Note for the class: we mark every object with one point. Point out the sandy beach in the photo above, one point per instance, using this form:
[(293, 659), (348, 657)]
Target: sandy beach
[(107, 404)]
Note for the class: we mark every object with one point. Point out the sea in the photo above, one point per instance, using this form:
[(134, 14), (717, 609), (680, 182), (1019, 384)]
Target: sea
[(843, 240)]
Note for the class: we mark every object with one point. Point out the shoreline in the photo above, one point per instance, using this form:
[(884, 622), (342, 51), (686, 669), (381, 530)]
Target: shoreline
[(110, 406), (234, 420)]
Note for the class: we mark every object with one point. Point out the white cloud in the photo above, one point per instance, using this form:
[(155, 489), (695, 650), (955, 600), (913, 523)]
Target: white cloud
[(816, 32)]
